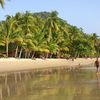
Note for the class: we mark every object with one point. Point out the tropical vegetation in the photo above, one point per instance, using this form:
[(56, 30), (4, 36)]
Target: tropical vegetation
[(2, 3), (44, 34)]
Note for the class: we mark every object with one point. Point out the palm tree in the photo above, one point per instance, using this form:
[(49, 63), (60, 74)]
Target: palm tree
[(2, 3), (51, 26), (74, 32), (27, 35), (95, 42), (29, 45), (9, 31), (27, 23), (53, 48), (40, 43), (94, 38)]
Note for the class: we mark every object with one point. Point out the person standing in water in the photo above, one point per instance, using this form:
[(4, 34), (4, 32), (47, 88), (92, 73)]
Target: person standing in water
[(97, 64)]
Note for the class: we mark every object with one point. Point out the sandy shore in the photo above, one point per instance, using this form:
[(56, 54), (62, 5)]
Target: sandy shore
[(12, 64)]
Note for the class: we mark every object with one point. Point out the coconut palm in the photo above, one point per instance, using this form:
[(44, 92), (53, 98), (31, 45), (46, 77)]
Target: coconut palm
[(9, 31), (2, 3), (51, 25), (27, 23), (40, 43), (94, 38), (74, 32), (28, 36), (28, 27)]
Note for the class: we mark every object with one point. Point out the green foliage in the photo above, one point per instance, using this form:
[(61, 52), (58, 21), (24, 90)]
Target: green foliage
[(2, 3), (45, 34)]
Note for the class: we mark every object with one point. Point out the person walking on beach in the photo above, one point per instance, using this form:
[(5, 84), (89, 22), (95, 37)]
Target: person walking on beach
[(97, 64)]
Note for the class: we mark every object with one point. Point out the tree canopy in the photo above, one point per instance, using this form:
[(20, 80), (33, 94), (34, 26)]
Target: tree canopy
[(44, 34)]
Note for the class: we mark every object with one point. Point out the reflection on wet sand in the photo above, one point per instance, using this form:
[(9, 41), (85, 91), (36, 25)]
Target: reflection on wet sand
[(58, 85), (98, 80)]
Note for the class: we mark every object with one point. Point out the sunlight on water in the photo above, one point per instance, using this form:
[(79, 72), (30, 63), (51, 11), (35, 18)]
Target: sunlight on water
[(61, 85)]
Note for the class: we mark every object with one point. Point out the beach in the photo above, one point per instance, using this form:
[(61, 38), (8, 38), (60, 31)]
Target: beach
[(19, 77), (13, 64)]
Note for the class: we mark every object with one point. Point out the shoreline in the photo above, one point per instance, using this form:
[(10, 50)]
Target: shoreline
[(14, 64)]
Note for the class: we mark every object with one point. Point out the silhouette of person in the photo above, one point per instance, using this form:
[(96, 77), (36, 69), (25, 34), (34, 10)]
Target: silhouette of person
[(97, 64)]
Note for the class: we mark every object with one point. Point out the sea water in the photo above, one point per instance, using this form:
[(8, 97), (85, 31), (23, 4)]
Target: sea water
[(81, 84)]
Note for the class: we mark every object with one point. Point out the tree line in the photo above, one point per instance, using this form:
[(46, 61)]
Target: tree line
[(44, 34)]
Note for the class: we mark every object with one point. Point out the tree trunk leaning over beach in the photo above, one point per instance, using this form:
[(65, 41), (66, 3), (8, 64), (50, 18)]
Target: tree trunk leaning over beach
[(20, 53), (7, 48), (16, 51), (2, 3)]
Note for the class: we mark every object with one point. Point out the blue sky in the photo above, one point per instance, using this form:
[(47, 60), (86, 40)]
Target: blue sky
[(82, 13)]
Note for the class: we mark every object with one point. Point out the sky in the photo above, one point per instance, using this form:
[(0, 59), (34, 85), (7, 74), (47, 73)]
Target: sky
[(81, 13)]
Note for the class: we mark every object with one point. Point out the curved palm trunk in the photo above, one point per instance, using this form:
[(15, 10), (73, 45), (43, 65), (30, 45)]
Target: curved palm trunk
[(33, 54), (20, 53), (16, 52), (29, 54), (7, 48), (26, 54), (2, 3)]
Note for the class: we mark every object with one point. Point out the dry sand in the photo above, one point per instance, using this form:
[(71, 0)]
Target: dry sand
[(12, 64)]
